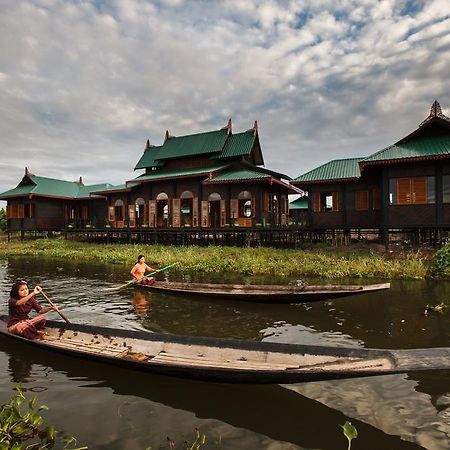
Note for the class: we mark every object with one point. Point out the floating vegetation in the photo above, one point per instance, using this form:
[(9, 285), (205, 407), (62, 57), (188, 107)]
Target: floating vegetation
[(322, 262)]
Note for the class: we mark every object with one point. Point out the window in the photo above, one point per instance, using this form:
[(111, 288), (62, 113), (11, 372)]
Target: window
[(119, 209), (446, 188), (412, 191), (326, 201), (376, 198), (361, 200), (245, 204)]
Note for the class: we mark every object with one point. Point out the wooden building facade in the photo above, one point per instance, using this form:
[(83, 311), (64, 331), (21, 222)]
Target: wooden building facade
[(207, 180), (405, 186), (214, 179), (47, 204)]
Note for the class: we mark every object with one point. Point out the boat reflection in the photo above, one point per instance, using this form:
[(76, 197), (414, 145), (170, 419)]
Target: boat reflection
[(268, 410)]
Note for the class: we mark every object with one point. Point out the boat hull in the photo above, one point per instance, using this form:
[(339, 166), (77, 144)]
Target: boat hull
[(265, 293), (223, 360)]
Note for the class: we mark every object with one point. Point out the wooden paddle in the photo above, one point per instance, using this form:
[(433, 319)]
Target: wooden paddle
[(55, 307), (128, 283)]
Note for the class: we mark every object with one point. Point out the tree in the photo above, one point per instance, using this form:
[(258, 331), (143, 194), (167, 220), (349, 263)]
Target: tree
[(3, 221)]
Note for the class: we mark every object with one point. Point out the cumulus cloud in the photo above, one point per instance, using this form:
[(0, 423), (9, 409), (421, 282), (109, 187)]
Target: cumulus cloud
[(83, 84)]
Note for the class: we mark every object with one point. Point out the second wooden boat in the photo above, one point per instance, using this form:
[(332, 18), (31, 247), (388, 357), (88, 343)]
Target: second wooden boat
[(226, 360), (266, 293)]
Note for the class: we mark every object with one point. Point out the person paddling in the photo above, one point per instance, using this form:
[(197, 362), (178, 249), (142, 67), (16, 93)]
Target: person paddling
[(139, 270), (20, 304)]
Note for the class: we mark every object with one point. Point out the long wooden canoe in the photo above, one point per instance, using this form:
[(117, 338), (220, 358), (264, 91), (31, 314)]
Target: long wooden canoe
[(266, 293), (226, 360)]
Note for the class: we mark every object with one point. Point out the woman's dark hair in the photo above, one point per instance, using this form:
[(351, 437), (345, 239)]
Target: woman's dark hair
[(15, 288), (139, 257)]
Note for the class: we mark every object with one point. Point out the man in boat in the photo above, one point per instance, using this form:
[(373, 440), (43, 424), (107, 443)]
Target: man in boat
[(140, 269)]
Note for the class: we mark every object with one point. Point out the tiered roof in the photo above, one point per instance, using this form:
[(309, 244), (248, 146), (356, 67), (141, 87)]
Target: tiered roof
[(217, 145), (431, 140), (33, 185)]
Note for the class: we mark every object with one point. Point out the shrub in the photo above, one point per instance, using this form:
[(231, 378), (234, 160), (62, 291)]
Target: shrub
[(440, 264)]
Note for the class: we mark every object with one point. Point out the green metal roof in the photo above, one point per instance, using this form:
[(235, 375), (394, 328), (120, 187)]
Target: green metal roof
[(333, 170), (50, 187), (149, 158), (161, 174), (239, 175), (239, 144), (417, 148), (193, 144), (110, 188), (300, 203)]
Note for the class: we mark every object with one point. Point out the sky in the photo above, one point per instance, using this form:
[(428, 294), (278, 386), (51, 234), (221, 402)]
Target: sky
[(84, 84)]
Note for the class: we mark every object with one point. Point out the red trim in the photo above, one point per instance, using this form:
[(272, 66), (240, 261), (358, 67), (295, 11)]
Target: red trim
[(401, 160)]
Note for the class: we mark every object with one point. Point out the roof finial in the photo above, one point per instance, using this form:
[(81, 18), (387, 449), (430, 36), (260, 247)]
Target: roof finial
[(229, 127), (147, 144), (80, 181), (27, 172), (435, 111), (167, 136), (255, 127)]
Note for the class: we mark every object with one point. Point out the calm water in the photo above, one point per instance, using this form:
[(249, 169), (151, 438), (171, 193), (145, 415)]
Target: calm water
[(111, 408)]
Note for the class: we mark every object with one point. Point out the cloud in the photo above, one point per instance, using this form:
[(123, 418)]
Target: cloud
[(84, 84)]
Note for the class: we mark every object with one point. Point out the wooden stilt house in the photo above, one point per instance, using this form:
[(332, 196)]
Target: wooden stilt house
[(41, 203), (405, 186), (211, 180)]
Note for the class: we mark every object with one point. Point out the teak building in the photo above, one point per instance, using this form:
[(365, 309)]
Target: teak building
[(41, 203), (405, 186), (212, 179), (209, 180)]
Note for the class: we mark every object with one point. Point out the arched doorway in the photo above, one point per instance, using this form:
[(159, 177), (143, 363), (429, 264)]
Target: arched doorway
[(162, 210), (214, 209), (245, 208), (139, 207), (186, 206), (119, 213)]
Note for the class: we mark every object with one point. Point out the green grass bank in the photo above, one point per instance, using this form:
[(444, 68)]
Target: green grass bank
[(327, 262)]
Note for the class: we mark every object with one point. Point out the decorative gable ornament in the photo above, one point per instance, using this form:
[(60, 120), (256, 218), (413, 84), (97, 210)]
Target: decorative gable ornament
[(435, 111)]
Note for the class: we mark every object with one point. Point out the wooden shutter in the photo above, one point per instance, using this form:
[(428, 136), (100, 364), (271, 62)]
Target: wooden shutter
[(316, 202), (84, 212), (253, 207), (234, 208), (223, 213), (361, 200), (176, 212), (131, 216), (266, 202), (376, 198), (20, 211), (403, 191), (111, 214), (195, 212), (205, 213), (152, 213), (335, 205), (8, 212), (420, 190)]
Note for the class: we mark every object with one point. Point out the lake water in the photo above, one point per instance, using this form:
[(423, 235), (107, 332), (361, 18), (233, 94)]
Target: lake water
[(112, 408)]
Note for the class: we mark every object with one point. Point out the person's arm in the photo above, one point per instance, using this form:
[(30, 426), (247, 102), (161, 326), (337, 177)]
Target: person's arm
[(37, 290), (149, 269), (133, 272), (45, 309)]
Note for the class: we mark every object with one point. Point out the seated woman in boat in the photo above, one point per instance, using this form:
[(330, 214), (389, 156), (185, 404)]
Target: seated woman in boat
[(139, 269), (21, 303)]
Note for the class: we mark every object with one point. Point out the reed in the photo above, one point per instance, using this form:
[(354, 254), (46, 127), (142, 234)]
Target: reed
[(332, 263)]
